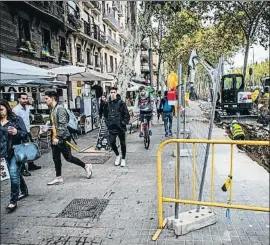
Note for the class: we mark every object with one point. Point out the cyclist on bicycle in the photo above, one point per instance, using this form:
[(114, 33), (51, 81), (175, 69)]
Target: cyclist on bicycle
[(145, 104)]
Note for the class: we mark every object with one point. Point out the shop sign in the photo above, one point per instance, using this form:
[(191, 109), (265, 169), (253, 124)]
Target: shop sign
[(22, 89)]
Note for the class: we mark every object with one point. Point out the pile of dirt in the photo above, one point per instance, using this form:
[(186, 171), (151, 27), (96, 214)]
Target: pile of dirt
[(260, 154)]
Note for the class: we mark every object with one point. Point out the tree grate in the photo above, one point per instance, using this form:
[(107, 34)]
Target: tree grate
[(96, 159), (84, 208)]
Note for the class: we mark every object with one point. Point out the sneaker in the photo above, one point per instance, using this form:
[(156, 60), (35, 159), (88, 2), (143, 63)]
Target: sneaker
[(123, 162), (150, 132), (170, 134), (88, 169), (117, 161), (166, 135), (141, 134), (57, 181), (23, 195)]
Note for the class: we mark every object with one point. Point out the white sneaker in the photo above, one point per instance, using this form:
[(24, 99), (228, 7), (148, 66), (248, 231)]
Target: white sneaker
[(123, 162), (117, 161), (88, 169), (57, 181)]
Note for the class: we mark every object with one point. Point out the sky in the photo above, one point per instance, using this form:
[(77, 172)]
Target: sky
[(260, 54)]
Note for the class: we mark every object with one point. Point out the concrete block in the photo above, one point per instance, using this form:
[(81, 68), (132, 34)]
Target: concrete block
[(191, 221)]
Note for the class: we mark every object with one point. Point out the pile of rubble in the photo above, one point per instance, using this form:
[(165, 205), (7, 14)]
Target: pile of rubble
[(260, 154)]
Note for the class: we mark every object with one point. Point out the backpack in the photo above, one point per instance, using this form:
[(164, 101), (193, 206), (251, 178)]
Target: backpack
[(167, 107), (72, 123)]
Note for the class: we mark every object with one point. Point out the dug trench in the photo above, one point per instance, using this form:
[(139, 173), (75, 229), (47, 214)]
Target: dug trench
[(260, 154)]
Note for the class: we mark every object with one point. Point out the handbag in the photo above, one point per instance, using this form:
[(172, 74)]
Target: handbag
[(26, 152), (4, 170)]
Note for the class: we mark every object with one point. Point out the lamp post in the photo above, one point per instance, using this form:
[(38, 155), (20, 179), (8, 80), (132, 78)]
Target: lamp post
[(253, 67), (150, 60)]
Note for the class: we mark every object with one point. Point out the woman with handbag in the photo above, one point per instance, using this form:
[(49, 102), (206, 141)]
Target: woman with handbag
[(12, 132)]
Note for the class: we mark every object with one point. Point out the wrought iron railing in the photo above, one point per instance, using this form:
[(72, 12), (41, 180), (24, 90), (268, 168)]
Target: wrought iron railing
[(112, 42), (109, 15)]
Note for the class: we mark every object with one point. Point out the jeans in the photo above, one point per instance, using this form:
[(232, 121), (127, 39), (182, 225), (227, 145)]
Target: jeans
[(168, 118), (122, 138), (66, 152), (17, 180)]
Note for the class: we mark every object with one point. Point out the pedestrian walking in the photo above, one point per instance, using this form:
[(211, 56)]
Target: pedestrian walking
[(60, 136), (22, 110), (12, 132), (117, 117), (101, 105), (168, 113)]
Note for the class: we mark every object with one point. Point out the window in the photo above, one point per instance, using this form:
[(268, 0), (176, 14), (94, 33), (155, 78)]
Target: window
[(46, 39), (86, 28), (115, 61), (228, 83), (73, 9), (104, 29), (96, 60), (59, 3), (88, 56), (79, 53), (110, 32), (62, 44), (239, 83), (106, 62), (111, 64), (114, 36), (120, 42), (24, 30)]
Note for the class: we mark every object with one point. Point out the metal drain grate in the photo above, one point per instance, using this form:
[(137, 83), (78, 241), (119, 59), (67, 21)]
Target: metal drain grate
[(95, 159), (84, 208)]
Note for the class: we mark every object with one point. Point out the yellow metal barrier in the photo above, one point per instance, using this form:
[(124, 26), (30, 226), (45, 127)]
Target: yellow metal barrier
[(161, 199)]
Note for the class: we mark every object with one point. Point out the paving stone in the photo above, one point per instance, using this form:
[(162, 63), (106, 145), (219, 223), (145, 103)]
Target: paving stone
[(131, 215)]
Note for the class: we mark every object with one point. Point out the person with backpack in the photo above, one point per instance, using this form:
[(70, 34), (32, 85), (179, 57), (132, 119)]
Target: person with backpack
[(116, 118), (168, 113), (61, 121), (146, 106)]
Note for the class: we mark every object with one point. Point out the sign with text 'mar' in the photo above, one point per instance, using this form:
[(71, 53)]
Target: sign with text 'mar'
[(22, 89)]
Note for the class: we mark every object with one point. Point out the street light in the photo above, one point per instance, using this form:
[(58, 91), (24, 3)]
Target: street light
[(253, 67), (150, 59)]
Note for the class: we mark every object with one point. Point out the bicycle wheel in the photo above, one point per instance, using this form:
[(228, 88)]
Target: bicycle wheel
[(146, 140)]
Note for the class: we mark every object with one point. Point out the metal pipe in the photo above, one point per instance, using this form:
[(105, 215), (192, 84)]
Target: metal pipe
[(216, 82), (151, 61), (177, 169)]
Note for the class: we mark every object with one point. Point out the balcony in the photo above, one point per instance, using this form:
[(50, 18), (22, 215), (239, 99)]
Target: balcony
[(112, 44), (97, 7), (120, 13), (144, 55), (109, 19), (116, 5), (145, 67), (49, 8), (123, 33), (92, 34)]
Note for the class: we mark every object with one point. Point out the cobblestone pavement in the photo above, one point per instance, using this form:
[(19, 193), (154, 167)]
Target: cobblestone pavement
[(131, 214)]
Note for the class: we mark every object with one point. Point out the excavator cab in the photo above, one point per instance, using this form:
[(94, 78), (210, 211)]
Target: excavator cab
[(233, 98)]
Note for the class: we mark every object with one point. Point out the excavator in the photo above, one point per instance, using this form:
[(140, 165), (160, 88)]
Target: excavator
[(233, 103), (262, 96)]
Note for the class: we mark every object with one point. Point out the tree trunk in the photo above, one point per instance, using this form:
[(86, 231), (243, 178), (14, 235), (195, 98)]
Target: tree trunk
[(246, 59), (127, 63)]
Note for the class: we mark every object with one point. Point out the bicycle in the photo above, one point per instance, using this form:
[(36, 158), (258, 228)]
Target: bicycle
[(146, 137)]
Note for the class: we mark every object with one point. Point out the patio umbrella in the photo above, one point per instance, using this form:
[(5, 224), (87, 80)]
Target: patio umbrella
[(15, 70), (80, 73)]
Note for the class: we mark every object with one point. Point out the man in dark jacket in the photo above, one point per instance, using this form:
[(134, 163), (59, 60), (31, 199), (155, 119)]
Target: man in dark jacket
[(60, 137), (168, 113), (117, 117)]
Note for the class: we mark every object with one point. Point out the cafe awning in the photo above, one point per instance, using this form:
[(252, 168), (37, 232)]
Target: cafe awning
[(15, 70), (79, 73)]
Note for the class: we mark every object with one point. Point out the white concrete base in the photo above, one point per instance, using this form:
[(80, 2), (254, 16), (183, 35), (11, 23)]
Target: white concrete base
[(191, 221), (183, 153)]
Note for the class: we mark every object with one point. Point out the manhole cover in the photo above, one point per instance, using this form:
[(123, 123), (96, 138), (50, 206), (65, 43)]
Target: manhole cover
[(95, 159), (84, 208)]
